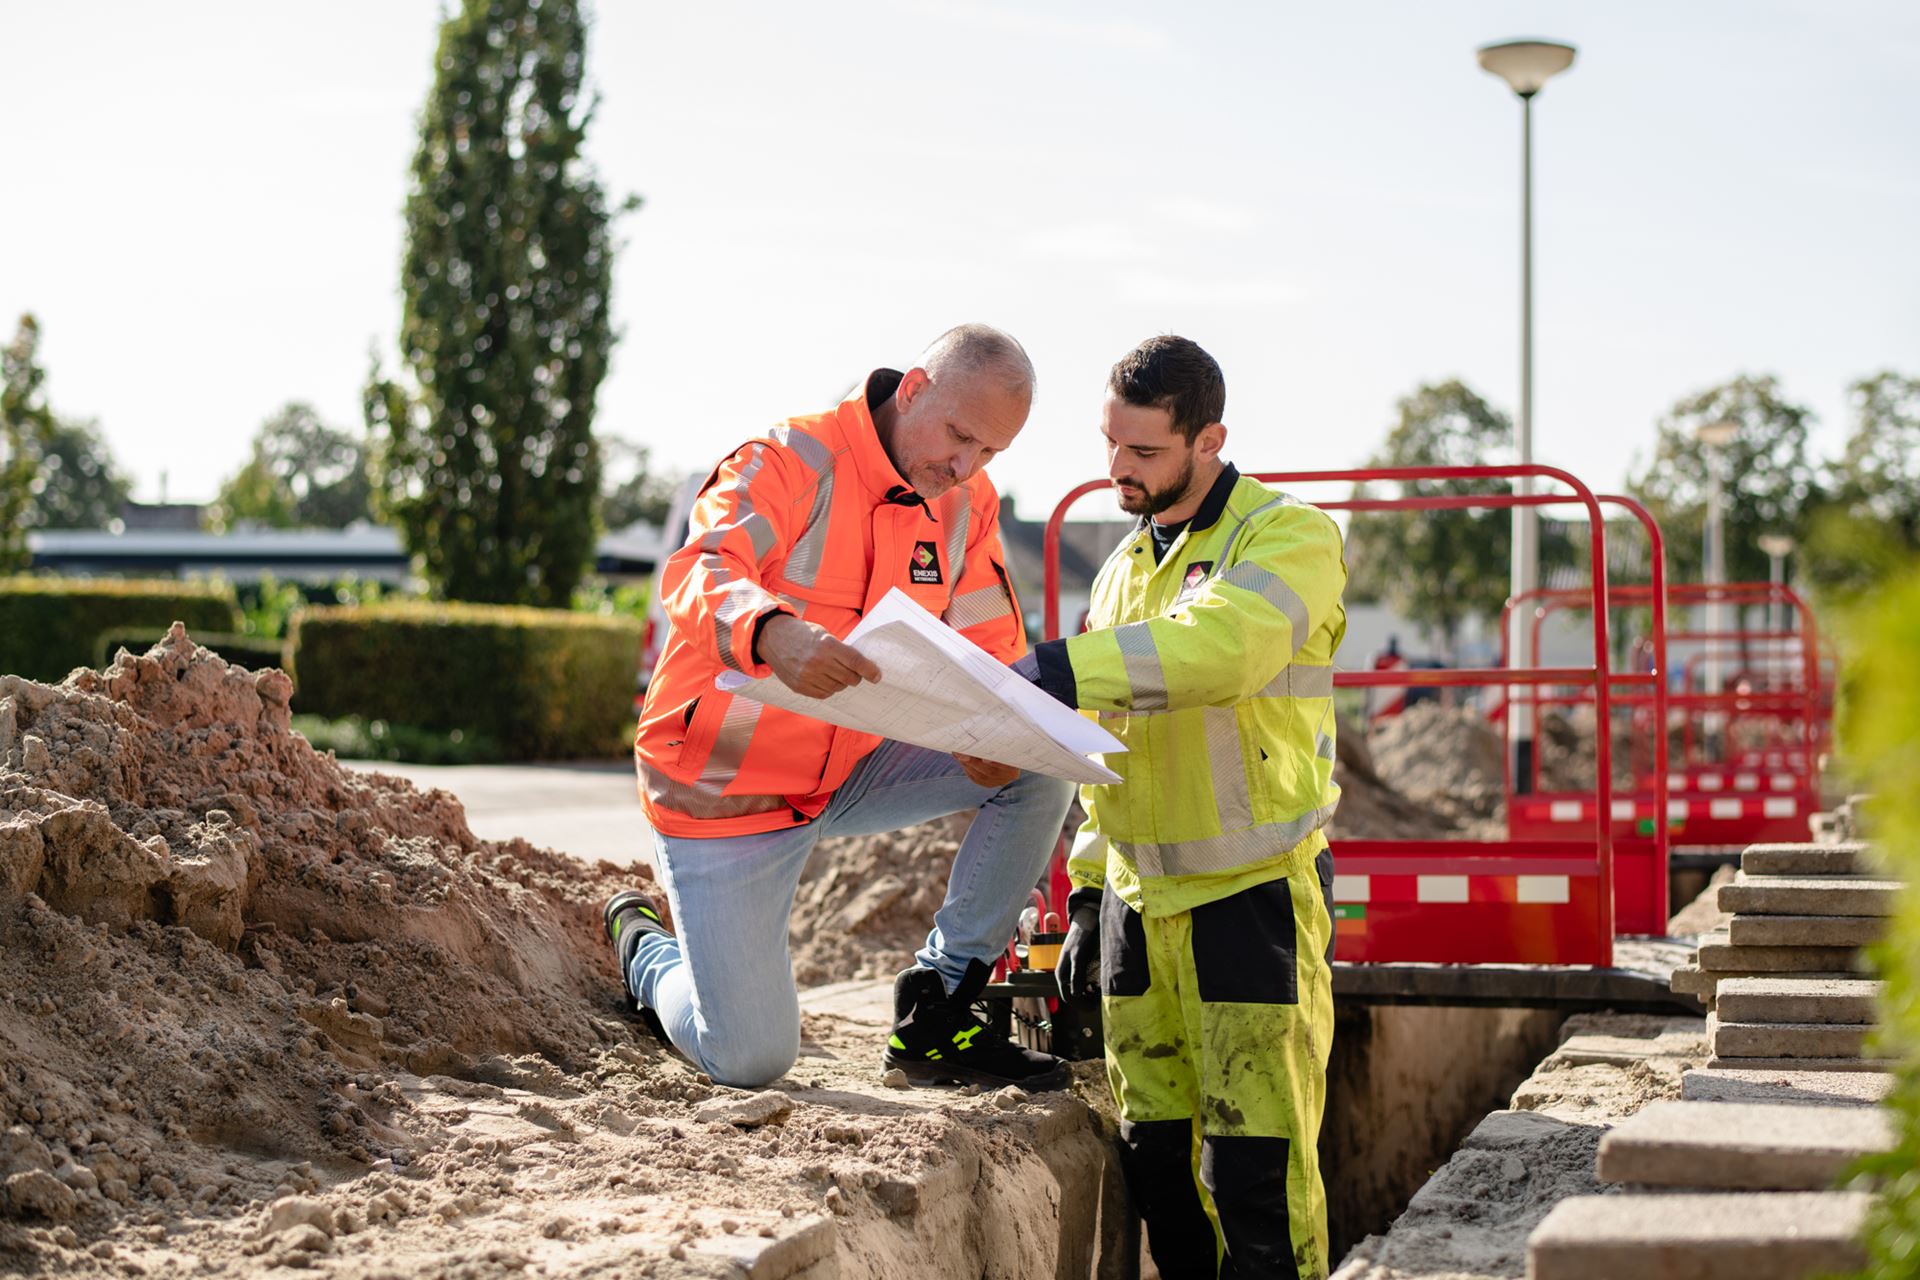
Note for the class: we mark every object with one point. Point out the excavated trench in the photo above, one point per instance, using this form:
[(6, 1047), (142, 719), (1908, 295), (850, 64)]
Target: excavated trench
[(1404, 1086)]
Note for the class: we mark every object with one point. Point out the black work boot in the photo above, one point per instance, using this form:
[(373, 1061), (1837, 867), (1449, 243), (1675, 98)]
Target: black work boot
[(628, 917), (937, 1037)]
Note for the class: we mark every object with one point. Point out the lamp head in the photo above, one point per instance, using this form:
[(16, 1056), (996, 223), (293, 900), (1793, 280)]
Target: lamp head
[(1716, 435), (1526, 65), (1777, 544)]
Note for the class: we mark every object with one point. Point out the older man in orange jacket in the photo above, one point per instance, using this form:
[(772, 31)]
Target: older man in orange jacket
[(794, 537)]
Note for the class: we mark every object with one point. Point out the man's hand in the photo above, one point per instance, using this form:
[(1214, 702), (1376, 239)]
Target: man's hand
[(808, 660), (1078, 971), (987, 773)]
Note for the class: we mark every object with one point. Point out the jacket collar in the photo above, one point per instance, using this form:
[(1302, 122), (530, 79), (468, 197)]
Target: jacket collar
[(1215, 502), (876, 471), (1212, 505)]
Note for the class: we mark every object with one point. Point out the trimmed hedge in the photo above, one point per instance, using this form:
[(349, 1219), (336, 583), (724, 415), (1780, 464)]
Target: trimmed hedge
[(252, 652), (49, 626), (545, 684)]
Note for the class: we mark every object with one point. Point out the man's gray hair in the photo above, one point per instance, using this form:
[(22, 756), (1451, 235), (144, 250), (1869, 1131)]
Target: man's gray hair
[(977, 349)]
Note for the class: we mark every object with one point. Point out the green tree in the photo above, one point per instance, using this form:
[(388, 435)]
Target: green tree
[(302, 474), (1437, 568), (1869, 527), (1769, 484), (489, 462), (81, 485), (26, 427), (630, 489)]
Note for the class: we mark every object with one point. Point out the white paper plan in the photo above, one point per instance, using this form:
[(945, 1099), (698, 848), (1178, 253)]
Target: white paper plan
[(938, 689)]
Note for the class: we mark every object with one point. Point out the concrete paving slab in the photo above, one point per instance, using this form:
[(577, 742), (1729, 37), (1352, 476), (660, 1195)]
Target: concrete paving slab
[(1664, 1038), (1808, 860), (1808, 896), (1774, 999), (1718, 954), (1782, 1235), (1692, 980), (1783, 1039), (1801, 1064), (1741, 1146), (1804, 931), (1821, 1088)]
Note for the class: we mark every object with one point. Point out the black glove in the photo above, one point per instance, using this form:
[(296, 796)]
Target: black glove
[(1078, 971)]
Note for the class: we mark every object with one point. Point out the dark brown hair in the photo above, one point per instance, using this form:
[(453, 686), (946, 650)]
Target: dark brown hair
[(1173, 373)]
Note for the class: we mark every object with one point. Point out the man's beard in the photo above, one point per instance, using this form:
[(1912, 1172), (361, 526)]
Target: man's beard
[(1152, 502)]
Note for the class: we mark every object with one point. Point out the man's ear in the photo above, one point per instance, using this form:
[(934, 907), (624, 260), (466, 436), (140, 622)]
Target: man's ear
[(1211, 440), (912, 383)]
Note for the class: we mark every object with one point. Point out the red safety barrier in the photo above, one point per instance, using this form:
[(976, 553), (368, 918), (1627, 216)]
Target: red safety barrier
[(1534, 901), (1735, 801)]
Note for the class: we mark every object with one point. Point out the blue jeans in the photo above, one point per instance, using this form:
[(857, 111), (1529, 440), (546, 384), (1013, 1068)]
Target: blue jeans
[(723, 988)]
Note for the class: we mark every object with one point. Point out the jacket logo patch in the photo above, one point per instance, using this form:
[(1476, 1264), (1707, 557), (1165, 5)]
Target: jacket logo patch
[(1196, 578), (924, 564)]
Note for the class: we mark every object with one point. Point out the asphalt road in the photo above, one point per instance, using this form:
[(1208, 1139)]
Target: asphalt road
[(588, 810)]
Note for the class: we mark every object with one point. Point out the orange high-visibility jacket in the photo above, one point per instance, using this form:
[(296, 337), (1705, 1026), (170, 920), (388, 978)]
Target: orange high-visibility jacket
[(813, 520)]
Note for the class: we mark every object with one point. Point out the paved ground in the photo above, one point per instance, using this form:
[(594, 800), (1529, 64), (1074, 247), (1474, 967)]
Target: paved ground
[(588, 810)]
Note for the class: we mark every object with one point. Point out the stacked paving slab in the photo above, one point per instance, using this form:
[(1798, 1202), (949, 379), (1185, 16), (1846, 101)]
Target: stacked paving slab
[(1736, 1180), (1783, 981)]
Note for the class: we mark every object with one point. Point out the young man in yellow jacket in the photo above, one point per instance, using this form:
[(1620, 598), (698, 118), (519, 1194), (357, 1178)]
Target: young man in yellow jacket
[(1201, 906)]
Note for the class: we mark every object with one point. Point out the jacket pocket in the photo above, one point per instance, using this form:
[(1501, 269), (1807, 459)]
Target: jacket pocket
[(701, 721)]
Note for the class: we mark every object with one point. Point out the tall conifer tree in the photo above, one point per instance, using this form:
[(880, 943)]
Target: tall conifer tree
[(490, 467)]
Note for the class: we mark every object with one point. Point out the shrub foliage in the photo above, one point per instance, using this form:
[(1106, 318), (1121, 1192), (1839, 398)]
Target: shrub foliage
[(49, 626), (1881, 732), (540, 683)]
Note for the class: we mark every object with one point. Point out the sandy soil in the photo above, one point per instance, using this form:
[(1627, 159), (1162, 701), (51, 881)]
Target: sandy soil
[(865, 903), (261, 1011), (1446, 759)]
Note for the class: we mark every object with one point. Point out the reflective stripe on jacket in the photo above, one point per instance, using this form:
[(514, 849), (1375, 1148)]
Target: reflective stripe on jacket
[(1215, 667), (813, 520)]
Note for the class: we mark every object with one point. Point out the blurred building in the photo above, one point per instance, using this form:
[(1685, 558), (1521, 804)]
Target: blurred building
[(181, 550)]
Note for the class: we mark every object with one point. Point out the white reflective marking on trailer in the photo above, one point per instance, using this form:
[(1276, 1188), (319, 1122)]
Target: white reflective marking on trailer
[(1352, 888), (1622, 810), (1724, 809), (1711, 782), (1783, 782), (1780, 807), (1542, 889), (1564, 811), (1746, 782), (1440, 889), (1676, 808)]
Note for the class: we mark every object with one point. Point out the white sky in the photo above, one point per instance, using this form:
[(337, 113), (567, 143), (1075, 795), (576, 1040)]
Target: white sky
[(203, 203)]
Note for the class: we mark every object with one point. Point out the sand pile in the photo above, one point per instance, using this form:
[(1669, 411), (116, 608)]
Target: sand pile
[(1370, 807), (1446, 759), (207, 929), (257, 1010), (865, 903)]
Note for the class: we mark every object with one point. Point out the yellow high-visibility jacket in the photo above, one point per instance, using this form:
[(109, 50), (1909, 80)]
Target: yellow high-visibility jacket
[(1215, 668)]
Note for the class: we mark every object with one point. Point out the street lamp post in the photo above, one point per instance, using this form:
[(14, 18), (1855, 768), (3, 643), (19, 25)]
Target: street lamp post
[(1778, 547), (1526, 66), (1714, 437)]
